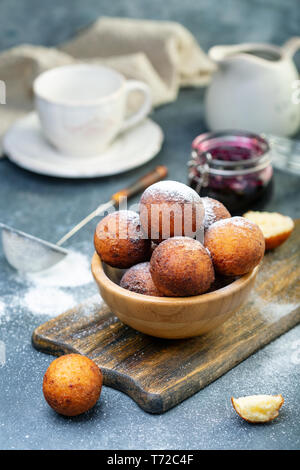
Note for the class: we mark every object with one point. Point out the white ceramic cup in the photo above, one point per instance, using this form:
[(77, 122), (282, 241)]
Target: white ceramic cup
[(82, 107)]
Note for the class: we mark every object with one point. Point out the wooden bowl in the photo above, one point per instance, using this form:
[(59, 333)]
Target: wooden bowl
[(170, 317)]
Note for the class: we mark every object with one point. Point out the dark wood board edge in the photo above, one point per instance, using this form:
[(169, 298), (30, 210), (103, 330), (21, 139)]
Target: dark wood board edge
[(157, 404), (245, 349), (149, 402)]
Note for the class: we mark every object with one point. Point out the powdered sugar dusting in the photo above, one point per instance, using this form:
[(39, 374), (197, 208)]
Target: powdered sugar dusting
[(214, 211), (241, 222), (74, 270), (48, 301), (236, 221), (2, 308), (49, 292), (184, 242), (274, 310), (128, 216), (172, 191), (122, 224)]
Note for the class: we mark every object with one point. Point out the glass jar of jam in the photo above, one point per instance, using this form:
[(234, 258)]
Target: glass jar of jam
[(233, 167)]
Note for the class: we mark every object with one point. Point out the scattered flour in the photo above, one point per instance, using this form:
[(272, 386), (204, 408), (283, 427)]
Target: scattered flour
[(48, 301)]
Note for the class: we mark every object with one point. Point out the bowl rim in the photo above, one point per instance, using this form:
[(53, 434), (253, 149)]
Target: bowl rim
[(102, 279)]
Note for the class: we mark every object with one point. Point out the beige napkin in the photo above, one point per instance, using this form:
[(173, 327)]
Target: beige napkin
[(163, 54)]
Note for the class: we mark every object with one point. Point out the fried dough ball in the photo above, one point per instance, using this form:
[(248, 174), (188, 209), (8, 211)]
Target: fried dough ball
[(119, 240), (72, 384), (181, 267), (276, 227), (214, 211), (138, 279), (236, 245), (169, 209)]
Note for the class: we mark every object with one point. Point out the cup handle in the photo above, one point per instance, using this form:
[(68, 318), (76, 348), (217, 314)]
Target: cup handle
[(291, 46), (144, 110)]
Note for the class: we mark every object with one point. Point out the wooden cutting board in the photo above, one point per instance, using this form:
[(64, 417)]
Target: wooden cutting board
[(158, 374)]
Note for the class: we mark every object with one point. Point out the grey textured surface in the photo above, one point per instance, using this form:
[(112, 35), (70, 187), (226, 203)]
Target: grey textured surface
[(48, 207)]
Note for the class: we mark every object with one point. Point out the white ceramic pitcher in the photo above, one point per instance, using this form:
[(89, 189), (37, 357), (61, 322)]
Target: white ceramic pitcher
[(254, 88)]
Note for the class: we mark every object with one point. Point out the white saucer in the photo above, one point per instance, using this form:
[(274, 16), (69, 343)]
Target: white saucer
[(25, 145)]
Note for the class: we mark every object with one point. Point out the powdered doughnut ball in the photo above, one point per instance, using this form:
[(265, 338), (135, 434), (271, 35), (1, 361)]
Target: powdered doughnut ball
[(169, 209), (214, 211), (181, 267), (236, 246), (119, 240), (72, 384), (138, 279)]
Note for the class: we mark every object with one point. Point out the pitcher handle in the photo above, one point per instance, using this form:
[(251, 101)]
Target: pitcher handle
[(291, 46)]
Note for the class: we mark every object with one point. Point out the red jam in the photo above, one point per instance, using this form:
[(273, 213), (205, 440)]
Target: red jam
[(233, 167)]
